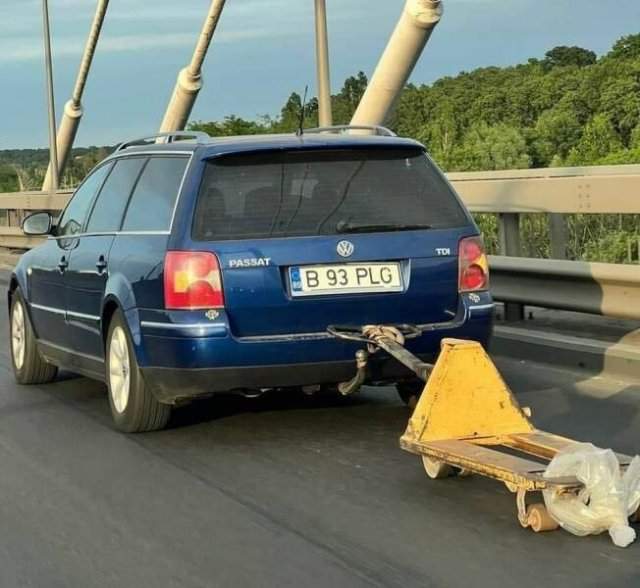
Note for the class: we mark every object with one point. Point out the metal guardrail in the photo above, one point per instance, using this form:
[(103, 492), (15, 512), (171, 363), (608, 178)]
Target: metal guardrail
[(568, 190), (597, 288), (589, 190)]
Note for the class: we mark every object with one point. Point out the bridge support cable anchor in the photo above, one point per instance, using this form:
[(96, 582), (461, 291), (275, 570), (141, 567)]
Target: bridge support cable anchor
[(189, 81), (73, 110), (417, 22)]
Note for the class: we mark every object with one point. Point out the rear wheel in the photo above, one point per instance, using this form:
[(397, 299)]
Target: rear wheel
[(29, 367), (539, 519), (133, 406)]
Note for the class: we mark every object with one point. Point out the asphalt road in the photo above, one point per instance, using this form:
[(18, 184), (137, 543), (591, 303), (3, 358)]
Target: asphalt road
[(281, 491)]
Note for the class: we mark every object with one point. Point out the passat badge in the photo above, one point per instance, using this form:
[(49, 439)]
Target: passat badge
[(345, 249)]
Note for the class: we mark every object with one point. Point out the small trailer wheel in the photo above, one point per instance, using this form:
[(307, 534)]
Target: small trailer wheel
[(539, 519), (435, 468)]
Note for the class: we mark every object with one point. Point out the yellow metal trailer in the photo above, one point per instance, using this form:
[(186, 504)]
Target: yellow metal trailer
[(467, 420)]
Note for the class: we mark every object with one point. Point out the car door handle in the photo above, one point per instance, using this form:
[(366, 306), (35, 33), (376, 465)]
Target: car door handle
[(63, 264), (101, 264)]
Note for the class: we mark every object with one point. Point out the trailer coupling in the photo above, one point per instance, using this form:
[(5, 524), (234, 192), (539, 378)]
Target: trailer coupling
[(389, 338)]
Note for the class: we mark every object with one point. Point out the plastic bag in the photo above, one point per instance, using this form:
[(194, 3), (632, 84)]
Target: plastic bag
[(607, 499)]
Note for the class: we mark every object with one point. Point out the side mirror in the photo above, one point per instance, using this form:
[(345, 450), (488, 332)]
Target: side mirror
[(38, 223)]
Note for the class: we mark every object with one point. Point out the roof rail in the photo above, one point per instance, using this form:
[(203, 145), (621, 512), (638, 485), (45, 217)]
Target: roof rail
[(171, 137), (379, 130)]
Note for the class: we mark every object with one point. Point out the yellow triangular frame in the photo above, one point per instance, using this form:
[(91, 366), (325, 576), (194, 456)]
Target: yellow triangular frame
[(465, 397)]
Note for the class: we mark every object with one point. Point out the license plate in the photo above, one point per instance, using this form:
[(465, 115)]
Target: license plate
[(309, 280)]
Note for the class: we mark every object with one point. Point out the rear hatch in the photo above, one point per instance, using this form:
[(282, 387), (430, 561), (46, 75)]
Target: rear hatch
[(308, 238)]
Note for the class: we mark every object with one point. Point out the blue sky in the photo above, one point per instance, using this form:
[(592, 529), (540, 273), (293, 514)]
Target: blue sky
[(264, 49)]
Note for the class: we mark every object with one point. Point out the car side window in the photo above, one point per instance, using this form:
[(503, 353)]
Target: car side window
[(153, 200), (73, 217), (112, 200)]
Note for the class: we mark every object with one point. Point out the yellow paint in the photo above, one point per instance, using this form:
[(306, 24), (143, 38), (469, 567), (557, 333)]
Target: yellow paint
[(465, 397)]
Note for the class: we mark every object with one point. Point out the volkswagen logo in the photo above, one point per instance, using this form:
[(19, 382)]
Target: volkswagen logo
[(345, 249)]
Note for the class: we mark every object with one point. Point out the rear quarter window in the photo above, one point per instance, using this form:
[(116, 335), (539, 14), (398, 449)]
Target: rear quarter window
[(154, 197), (303, 193)]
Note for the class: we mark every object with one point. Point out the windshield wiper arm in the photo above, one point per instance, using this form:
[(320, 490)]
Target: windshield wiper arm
[(352, 228)]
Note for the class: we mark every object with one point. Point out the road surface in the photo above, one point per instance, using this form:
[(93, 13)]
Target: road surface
[(281, 491)]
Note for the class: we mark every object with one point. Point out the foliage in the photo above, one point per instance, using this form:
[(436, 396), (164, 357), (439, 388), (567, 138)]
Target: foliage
[(563, 56), (9, 181), (230, 126), (598, 140), (626, 48), (491, 147)]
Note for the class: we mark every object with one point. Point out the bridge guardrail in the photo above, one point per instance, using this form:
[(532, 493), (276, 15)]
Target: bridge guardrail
[(599, 288)]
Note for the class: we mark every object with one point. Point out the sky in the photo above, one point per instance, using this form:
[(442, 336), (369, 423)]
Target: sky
[(263, 50)]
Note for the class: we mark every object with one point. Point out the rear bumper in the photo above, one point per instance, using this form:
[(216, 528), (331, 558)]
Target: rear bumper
[(179, 361), (171, 385)]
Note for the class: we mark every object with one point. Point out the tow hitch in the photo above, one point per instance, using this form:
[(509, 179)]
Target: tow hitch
[(390, 338)]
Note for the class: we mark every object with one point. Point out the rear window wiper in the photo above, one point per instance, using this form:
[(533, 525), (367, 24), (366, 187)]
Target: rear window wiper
[(342, 227)]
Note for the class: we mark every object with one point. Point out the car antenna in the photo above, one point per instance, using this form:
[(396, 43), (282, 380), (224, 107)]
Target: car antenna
[(300, 131)]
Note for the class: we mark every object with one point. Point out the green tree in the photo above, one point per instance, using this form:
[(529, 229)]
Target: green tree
[(440, 135), (9, 181), (344, 103), (556, 132), (598, 140), (620, 97), (488, 147), (564, 56), (231, 126), (626, 48)]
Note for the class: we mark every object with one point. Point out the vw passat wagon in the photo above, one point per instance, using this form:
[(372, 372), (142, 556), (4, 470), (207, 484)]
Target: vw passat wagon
[(185, 266)]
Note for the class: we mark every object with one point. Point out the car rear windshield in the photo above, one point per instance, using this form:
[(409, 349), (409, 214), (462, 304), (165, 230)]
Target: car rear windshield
[(323, 192)]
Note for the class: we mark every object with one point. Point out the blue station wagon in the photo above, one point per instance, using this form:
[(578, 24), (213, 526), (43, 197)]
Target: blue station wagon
[(185, 266)]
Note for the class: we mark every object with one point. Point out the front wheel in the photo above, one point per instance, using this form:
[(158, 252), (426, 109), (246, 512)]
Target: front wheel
[(133, 406), (29, 367)]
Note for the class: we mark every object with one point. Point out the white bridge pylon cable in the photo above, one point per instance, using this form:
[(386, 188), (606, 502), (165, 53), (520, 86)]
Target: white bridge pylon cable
[(189, 80), (407, 42), (73, 108), (325, 115), (48, 65), (418, 19)]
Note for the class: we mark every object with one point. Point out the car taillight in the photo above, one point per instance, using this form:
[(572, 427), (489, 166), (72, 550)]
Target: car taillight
[(473, 266), (192, 280)]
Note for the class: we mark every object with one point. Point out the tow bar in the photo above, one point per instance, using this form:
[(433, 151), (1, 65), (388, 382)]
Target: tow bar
[(467, 420), (389, 338)]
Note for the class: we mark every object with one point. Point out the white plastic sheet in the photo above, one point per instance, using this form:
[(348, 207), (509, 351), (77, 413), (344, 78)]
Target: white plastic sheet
[(607, 499)]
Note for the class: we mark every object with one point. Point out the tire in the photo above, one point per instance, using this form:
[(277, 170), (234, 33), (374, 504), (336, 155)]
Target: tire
[(539, 519), (437, 469), (133, 406), (410, 391), (29, 367)]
